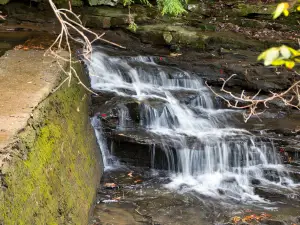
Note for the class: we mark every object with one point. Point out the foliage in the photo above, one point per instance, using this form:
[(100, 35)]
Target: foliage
[(278, 56), (133, 27), (128, 2), (284, 8), (56, 183), (171, 7), (283, 55)]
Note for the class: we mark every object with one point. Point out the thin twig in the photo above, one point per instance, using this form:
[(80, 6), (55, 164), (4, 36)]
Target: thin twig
[(72, 29), (250, 103)]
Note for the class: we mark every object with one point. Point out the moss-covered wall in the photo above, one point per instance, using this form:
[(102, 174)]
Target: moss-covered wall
[(55, 178)]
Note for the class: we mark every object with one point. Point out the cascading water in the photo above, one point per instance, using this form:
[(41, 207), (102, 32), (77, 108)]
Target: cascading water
[(204, 153), (109, 161)]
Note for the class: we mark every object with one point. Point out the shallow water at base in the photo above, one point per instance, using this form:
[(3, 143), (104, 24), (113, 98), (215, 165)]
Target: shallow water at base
[(140, 197)]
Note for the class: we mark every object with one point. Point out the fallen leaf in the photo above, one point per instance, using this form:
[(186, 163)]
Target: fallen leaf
[(175, 54), (130, 174), (236, 219), (110, 185)]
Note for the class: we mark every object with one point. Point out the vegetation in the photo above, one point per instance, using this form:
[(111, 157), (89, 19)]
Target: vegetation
[(283, 55), (57, 181), (171, 7), (275, 56)]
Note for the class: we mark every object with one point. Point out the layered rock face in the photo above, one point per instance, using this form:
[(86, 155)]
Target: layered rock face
[(212, 41)]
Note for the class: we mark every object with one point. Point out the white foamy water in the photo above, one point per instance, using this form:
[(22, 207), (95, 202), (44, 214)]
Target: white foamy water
[(203, 152), (109, 161)]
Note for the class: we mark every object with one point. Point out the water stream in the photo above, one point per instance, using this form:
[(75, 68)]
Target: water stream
[(204, 151)]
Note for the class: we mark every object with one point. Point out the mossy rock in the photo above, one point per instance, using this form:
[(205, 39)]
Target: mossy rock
[(4, 2), (55, 178), (161, 34), (104, 2), (66, 2), (246, 9)]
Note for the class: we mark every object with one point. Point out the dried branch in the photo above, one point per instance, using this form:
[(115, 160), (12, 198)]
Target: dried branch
[(2, 17), (72, 29), (251, 103)]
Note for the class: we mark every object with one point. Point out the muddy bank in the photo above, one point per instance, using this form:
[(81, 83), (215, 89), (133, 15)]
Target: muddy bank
[(50, 161)]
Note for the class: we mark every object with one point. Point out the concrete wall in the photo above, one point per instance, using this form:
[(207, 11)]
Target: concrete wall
[(55, 165)]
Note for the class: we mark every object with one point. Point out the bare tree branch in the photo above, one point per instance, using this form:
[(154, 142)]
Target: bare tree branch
[(2, 17), (72, 29), (290, 97)]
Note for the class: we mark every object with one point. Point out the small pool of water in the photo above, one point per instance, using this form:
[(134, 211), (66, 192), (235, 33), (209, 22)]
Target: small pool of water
[(131, 195)]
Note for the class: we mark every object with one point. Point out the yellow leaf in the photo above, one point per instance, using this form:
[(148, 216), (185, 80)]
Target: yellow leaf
[(290, 64), (271, 55), (278, 62), (285, 52), (175, 54), (262, 56), (281, 8), (236, 219), (298, 8), (286, 12), (294, 52)]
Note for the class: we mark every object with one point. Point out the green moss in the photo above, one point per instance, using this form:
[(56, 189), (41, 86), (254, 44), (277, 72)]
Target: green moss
[(66, 2), (4, 2), (56, 183), (246, 9)]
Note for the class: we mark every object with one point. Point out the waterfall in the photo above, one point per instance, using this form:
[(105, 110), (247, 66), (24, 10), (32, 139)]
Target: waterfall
[(205, 153), (109, 161)]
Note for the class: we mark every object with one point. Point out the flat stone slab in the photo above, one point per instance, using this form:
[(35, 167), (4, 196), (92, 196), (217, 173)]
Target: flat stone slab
[(26, 78)]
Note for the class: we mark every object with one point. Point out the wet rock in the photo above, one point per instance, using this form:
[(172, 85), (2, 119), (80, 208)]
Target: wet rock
[(269, 194), (271, 175), (98, 22), (193, 37), (255, 182), (244, 9), (110, 105), (104, 2), (105, 17), (273, 222), (168, 37), (137, 147), (295, 175), (221, 192)]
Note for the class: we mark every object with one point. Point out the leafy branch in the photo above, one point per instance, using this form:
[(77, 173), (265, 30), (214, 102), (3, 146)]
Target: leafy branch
[(276, 56)]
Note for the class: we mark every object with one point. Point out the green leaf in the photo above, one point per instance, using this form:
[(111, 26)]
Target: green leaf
[(172, 7)]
